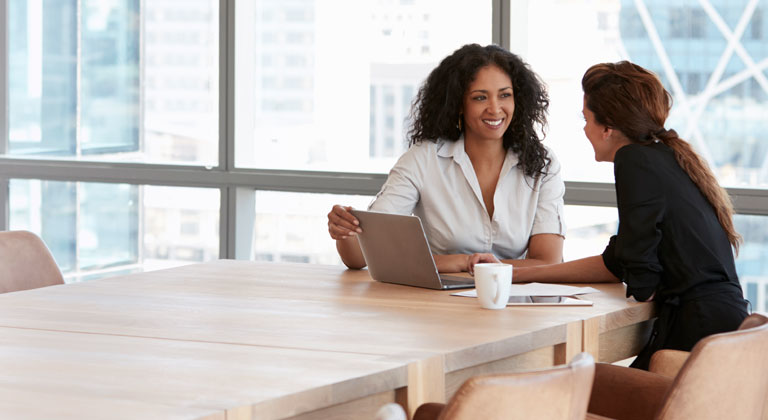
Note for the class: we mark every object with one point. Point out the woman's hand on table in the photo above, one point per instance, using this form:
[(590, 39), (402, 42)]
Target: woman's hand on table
[(478, 259)]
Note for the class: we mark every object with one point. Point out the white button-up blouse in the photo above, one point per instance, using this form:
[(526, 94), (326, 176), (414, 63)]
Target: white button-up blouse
[(436, 181)]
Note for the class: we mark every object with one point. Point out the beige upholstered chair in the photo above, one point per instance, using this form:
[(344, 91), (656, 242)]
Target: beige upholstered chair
[(725, 376), (25, 262), (558, 393), (669, 362)]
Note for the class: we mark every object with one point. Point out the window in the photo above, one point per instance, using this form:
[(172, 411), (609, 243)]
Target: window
[(348, 113), (82, 84), (98, 227), (686, 22), (722, 117), (630, 24), (718, 110), (119, 148), (693, 83), (752, 262), (298, 233), (589, 229)]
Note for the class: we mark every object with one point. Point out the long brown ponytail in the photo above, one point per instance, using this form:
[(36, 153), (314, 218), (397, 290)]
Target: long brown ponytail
[(631, 99)]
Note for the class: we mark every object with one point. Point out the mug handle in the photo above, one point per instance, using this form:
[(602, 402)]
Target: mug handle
[(498, 299)]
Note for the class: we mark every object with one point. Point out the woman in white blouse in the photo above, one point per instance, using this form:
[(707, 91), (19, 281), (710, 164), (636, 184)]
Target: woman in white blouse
[(476, 173)]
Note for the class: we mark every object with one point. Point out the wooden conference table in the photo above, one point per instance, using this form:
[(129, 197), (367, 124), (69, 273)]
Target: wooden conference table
[(243, 340)]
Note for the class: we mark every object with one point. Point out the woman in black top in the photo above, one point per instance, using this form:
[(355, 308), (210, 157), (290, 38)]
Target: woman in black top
[(676, 237)]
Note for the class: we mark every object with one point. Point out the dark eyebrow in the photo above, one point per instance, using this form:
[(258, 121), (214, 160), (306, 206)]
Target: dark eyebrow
[(485, 91)]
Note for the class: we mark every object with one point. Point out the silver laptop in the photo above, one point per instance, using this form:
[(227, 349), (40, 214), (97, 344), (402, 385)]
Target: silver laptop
[(396, 251)]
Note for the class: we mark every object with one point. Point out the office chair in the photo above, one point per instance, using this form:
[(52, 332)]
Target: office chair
[(561, 392), (725, 376), (25, 262)]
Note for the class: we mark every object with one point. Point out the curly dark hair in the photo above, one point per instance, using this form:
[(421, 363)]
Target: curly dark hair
[(437, 107)]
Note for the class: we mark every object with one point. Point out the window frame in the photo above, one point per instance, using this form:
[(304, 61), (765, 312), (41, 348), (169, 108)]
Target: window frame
[(238, 186)]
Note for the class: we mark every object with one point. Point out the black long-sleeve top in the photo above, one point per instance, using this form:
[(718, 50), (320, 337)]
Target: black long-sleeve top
[(669, 240)]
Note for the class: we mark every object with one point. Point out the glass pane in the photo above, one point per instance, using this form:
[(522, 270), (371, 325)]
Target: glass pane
[(588, 230), (97, 229), (108, 226), (124, 80), (589, 35), (48, 209), (293, 227), (109, 76), (752, 261), (322, 90), (181, 225), (720, 93)]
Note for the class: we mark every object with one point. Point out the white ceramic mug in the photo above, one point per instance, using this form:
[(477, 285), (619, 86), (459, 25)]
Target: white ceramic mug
[(493, 282)]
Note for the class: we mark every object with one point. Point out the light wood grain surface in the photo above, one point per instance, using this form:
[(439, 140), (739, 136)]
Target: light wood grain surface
[(235, 339), (103, 372)]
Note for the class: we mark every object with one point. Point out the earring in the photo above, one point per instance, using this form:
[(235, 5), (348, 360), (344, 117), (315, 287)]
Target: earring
[(459, 124)]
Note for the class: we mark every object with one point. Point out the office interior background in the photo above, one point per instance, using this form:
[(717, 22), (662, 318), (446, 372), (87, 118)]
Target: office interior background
[(142, 134)]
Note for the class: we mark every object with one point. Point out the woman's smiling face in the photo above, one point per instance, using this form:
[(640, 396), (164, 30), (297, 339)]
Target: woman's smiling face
[(488, 105)]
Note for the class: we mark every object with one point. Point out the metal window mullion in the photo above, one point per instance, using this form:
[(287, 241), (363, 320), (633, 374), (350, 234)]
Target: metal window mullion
[(242, 217), (141, 214), (5, 207), (4, 124), (142, 81), (78, 125), (590, 194), (78, 271), (226, 85), (4, 76), (78, 76), (225, 201), (228, 200), (746, 200), (500, 23)]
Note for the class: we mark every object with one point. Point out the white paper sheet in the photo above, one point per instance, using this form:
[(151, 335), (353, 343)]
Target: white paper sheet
[(538, 289)]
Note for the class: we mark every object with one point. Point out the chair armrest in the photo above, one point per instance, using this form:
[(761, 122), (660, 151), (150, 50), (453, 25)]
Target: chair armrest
[(668, 362), (627, 393), (593, 416)]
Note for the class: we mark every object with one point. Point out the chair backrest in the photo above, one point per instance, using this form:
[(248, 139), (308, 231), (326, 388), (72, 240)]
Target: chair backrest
[(753, 320), (25, 262), (726, 376), (558, 393)]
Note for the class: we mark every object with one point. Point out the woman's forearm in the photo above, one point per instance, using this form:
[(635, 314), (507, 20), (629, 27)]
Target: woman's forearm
[(452, 263), (527, 262), (350, 253), (585, 270)]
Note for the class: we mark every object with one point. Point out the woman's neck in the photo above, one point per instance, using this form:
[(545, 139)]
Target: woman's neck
[(485, 152)]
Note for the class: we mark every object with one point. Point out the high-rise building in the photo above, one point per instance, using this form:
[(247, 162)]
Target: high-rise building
[(712, 57)]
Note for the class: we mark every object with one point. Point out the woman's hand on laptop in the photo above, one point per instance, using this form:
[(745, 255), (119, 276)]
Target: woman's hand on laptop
[(480, 258), (451, 263), (341, 223)]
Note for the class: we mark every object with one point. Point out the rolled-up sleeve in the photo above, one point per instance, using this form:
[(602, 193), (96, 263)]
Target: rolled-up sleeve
[(400, 192), (611, 262), (641, 208), (550, 209)]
